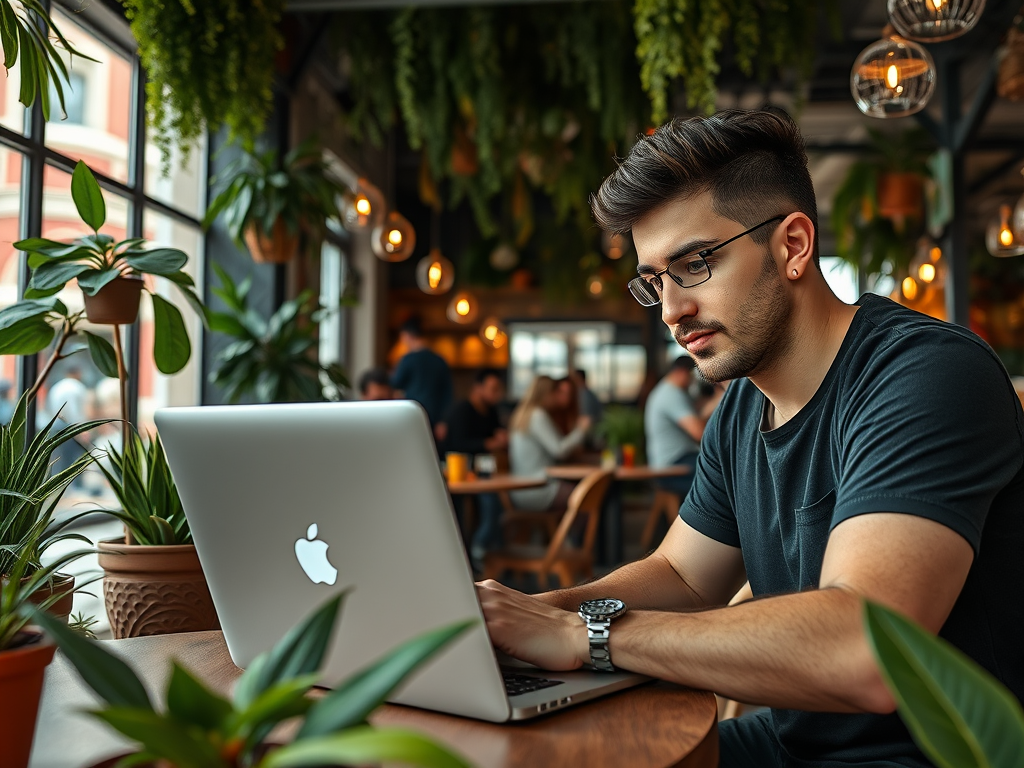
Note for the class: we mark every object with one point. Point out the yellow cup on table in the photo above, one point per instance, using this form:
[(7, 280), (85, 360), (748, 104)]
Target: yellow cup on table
[(457, 465)]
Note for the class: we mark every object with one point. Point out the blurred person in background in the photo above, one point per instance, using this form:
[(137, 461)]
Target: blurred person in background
[(374, 384), (68, 401), (535, 443), (423, 375)]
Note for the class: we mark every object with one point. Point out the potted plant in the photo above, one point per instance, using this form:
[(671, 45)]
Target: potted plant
[(273, 360), (110, 274), (153, 582), (196, 726), (269, 203), (622, 429), (28, 498), (878, 210), (958, 714), (24, 650)]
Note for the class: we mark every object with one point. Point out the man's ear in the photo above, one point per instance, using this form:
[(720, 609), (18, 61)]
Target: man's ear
[(794, 239)]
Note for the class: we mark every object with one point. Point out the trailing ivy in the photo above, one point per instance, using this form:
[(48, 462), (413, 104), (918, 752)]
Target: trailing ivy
[(209, 63)]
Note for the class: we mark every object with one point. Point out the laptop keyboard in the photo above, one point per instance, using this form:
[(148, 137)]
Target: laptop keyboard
[(516, 685)]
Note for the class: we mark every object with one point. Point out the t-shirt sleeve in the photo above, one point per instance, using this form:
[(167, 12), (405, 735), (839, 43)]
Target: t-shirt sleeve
[(935, 430), (709, 507)]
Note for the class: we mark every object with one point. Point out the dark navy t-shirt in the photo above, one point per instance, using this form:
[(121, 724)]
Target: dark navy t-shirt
[(424, 376), (915, 416)]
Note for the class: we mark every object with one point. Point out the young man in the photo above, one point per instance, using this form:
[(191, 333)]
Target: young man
[(845, 464), (423, 375)]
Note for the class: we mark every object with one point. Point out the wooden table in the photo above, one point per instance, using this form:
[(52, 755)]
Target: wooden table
[(494, 484), (656, 725), (610, 549)]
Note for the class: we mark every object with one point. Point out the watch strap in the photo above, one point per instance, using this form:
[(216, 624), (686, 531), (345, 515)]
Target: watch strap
[(598, 634)]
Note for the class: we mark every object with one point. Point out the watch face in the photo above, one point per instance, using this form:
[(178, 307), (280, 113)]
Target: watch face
[(607, 607)]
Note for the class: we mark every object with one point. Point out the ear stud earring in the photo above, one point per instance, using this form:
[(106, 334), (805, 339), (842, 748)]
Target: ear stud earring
[(796, 272)]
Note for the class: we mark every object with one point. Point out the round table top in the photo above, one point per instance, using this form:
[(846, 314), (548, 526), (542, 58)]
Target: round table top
[(651, 726), (638, 472), (496, 483)]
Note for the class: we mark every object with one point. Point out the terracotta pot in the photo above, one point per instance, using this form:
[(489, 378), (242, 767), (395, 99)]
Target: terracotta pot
[(156, 590), (1010, 80), (64, 585), (280, 248), (900, 194), (116, 303), (21, 680)]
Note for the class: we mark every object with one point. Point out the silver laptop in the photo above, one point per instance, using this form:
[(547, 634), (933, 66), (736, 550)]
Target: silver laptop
[(289, 504)]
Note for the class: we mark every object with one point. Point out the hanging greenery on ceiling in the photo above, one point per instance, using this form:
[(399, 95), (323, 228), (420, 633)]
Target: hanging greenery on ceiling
[(685, 40), (209, 63)]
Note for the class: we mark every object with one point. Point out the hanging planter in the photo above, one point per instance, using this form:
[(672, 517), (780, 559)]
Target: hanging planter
[(116, 303), (279, 248), (900, 194)]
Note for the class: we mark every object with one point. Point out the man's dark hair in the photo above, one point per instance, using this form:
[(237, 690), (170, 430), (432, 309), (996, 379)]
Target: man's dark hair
[(413, 327), (377, 376), (485, 373), (581, 374), (752, 162), (683, 362)]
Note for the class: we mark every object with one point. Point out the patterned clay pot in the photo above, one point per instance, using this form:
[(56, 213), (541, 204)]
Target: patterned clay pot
[(280, 248), (21, 680), (155, 590), (64, 586), (116, 303)]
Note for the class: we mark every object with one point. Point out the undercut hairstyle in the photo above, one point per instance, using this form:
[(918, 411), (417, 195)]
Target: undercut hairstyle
[(753, 163)]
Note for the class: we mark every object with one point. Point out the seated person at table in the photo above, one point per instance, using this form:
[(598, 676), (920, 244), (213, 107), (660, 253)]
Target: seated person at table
[(674, 425), (374, 384), (535, 444), (474, 427), (843, 463)]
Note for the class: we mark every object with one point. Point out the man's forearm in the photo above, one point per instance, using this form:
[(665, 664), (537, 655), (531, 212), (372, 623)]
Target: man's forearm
[(802, 651), (649, 584)]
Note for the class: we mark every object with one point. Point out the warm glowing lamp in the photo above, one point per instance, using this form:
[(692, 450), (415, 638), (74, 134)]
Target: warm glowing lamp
[(434, 273), (365, 207), (394, 240), (909, 288), (892, 77), (931, 21), (492, 331), (613, 244), (463, 308), (595, 286), (1000, 238)]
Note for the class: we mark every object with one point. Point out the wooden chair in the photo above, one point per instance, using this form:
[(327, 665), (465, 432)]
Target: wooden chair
[(560, 557), (665, 503)]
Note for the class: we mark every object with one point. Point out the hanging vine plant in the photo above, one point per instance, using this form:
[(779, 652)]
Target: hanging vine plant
[(209, 63), (682, 39)]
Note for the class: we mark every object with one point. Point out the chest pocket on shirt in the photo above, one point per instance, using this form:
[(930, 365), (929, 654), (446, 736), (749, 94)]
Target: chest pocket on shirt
[(812, 526)]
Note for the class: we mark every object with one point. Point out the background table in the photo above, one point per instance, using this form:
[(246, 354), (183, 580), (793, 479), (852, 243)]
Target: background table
[(494, 484), (610, 549), (653, 726)]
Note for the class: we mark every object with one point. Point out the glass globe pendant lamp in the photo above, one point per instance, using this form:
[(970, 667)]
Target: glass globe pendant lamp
[(435, 274), (928, 267), (493, 333), (932, 21), (365, 207), (1000, 238), (394, 240), (892, 77), (463, 308)]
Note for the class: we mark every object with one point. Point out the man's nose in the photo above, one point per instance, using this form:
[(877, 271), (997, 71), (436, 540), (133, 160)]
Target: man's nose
[(677, 303)]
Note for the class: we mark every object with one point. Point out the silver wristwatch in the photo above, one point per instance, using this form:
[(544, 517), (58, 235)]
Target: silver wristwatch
[(598, 615)]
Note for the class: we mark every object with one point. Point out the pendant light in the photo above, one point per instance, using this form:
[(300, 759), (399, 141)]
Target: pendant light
[(932, 21), (504, 257), (365, 207), (434, 273), (1000, 238), (394, 240), (892, 77), (928, 267), (595, 286), (1017, 219), (463, 308), (493, 333)]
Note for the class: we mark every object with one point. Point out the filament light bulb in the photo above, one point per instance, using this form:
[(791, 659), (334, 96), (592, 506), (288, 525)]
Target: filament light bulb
[(892, 76), (434, 275), (926, 272), (462, 306), (363, 206), (909, 288), (395, 237)]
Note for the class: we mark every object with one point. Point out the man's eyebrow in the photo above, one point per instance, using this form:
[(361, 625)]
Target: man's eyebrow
[(683, 250)]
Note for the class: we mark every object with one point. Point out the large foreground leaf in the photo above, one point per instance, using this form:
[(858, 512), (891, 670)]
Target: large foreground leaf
[(171, 347), (958, 714)]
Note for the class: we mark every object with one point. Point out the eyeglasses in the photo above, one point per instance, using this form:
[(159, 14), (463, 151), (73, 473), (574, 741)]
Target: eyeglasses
[(686, 271)]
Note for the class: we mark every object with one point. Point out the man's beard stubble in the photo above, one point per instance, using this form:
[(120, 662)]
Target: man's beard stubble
[(758, 332)]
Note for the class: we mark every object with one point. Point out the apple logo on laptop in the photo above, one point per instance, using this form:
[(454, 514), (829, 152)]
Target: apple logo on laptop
[(312, 556)]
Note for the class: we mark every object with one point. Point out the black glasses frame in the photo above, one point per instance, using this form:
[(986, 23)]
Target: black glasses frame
[(643, 283)]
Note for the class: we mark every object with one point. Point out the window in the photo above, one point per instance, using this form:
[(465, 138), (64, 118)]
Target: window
[(74, 101)]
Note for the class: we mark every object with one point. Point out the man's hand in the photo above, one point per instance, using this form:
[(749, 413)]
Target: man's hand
[(532, 631)]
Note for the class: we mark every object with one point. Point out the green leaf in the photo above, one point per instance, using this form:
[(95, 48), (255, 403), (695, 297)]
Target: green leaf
[(360, 694), (29, 308), (362, 746), (192, 703), (27, 96), (111, 679), (285, 700), (95, 279), (159, 261), (160, 735), (957, 712), (102, 354), (299, 652), (55, 274), (171, 347), (85, 191), (26, 337), (45, 246)]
